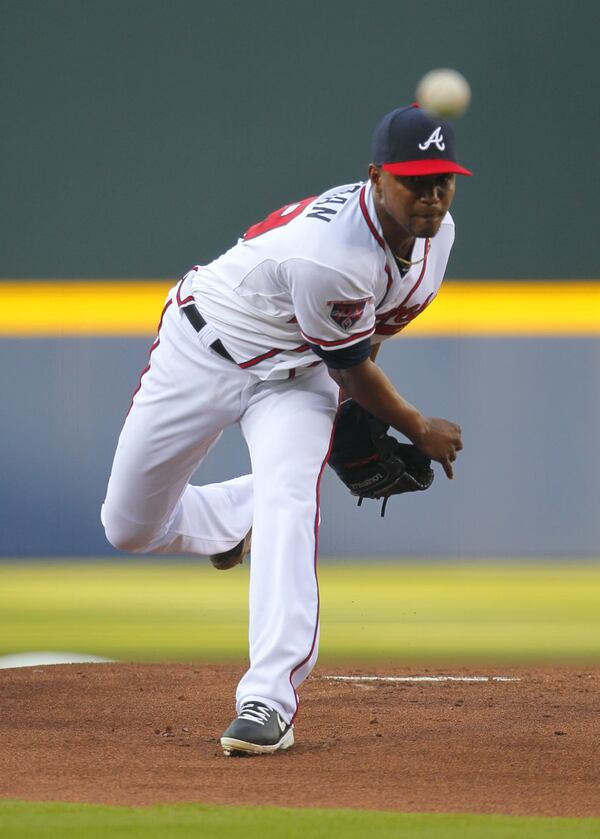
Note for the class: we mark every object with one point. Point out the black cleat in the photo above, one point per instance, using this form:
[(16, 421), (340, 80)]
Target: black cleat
[(258, 730), (234, 556)]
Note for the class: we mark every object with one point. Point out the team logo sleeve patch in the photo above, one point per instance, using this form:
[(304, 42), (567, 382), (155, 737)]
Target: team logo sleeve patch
[(347, 312)]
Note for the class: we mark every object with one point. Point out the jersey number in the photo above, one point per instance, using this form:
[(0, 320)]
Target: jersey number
[(277, 219)]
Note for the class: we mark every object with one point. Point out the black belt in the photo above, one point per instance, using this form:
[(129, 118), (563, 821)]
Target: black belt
[(198, 322)]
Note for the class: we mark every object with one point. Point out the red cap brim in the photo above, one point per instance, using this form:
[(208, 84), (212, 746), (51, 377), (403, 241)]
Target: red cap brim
[(425, 167)]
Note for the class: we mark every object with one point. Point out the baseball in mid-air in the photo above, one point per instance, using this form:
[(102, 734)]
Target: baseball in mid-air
[(444, 93)]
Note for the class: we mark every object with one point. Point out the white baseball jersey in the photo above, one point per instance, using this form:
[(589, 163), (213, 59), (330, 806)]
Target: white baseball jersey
[(315, 272)]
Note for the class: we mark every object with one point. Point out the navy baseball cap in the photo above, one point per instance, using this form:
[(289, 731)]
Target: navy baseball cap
[(410, 141)]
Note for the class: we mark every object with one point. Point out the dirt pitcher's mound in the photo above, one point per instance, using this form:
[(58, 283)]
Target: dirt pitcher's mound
[(144, 734)]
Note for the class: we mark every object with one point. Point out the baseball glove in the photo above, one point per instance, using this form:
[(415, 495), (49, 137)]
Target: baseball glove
[(372, 463)]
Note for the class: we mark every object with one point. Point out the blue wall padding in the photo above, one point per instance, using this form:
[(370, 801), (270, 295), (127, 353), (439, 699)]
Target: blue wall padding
[(526, 483)]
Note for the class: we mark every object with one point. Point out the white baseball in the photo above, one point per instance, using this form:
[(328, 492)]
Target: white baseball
[(444, 93)]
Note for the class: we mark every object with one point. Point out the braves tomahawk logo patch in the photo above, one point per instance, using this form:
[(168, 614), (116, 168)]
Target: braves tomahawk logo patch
[(346, 312)]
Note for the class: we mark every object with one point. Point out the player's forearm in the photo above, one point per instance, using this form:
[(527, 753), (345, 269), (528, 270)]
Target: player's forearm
[(374, 352), (370, 387)]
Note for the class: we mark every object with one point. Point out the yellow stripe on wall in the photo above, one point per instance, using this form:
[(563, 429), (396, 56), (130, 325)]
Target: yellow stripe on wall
[(132, 308), (62, 309), (512, 308)]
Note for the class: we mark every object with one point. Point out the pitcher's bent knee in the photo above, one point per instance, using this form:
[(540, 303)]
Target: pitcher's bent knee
[(125, 535)]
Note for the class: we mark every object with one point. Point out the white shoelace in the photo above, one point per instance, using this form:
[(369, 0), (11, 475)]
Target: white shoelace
[(255, 712)]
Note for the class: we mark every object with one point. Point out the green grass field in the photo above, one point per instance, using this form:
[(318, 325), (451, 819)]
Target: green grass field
[(463, 613), (19, 820), (408, 612)]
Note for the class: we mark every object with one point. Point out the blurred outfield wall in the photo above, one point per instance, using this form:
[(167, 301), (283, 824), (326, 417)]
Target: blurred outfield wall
[(526, 482), (140, 137)]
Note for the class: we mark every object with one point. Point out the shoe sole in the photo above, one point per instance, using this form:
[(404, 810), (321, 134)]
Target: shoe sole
[(229, 559), (232, 747)]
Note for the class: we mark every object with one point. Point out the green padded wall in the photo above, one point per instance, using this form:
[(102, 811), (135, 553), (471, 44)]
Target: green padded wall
[(142, 136)]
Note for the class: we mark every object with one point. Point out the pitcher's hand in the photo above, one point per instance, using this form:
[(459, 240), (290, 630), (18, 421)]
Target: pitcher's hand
[(440, 440)]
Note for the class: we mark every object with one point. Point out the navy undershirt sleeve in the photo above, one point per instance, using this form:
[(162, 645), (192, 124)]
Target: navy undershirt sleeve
[(346, 356)]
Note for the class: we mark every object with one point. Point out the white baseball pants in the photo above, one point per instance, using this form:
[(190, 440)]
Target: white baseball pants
[(188, 394)]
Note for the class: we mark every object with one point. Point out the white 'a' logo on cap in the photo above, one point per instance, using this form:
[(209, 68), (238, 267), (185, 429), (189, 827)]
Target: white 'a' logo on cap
[(437, 139)]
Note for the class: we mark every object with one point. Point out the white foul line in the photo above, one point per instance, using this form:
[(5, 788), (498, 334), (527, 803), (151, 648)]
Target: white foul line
[(422, 678)]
